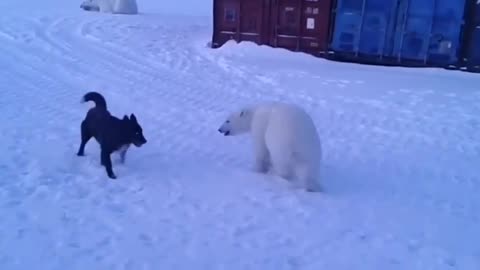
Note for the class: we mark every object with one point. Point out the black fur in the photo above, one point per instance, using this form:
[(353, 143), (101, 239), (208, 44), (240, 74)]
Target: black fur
[(110, 132)]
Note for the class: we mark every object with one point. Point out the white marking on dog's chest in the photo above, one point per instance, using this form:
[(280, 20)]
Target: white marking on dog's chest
[(123, 148)]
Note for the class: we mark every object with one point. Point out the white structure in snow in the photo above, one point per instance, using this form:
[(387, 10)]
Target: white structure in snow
[(111, 6)]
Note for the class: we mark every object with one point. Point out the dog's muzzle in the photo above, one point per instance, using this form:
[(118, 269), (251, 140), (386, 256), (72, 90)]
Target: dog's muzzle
[(139, 143)]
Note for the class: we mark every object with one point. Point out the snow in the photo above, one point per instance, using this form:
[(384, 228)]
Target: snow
[(401, 149)]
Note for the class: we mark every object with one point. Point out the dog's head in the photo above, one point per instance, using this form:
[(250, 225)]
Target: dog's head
[(135, 130)]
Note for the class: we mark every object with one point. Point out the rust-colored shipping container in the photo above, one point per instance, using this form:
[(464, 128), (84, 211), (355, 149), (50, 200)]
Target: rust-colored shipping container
[(240, 20), (301, 25), (297, 25)]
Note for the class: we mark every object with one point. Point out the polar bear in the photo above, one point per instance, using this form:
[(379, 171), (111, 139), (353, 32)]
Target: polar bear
[(285, 141)]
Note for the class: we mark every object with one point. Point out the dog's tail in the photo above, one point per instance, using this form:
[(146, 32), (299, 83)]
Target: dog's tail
[(97, 98)]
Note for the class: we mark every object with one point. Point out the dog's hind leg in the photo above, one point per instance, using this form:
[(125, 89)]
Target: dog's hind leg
[(86, 136), (107, 162)]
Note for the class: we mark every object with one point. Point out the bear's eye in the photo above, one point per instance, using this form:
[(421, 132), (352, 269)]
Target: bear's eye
[(228, 121)]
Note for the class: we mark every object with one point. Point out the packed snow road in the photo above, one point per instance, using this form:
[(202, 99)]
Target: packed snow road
[(400, 164)]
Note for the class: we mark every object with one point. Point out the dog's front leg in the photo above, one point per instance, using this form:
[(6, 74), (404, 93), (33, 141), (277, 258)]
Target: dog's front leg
[(123, 153), (122, 156), (107, 162)]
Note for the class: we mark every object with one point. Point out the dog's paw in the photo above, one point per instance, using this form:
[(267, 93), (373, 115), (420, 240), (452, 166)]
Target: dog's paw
[(112, 176)]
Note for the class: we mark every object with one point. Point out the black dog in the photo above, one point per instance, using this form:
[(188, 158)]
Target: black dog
[(110, 132)]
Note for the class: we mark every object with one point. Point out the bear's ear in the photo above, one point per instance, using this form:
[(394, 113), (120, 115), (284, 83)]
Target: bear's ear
[(242, 113)]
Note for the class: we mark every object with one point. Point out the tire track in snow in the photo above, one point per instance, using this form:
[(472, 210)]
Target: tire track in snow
[(131, 66), (166, 54)]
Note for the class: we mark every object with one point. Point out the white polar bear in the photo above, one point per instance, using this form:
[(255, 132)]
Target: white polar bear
[(285, 140)]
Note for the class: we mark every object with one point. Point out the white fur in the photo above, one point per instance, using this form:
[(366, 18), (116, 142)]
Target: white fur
[(123, 148), (125, 7), (105, 5), (285, 140)]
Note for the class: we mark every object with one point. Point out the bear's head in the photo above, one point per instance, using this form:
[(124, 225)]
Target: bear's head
[(237, 123)]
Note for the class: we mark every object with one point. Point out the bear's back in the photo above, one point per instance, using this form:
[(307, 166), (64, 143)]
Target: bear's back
[(294, 123)]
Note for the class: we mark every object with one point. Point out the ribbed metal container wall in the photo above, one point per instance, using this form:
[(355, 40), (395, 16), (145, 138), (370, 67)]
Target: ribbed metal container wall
[(241, 20), (416, 32), (301, 25), (297, 25), (429, 31), (363, 27)]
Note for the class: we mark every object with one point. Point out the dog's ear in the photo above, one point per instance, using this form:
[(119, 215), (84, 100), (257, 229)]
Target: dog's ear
[(125, 118), (133, 118)]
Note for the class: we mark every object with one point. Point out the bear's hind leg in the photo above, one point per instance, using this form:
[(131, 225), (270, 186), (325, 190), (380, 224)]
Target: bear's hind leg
[(307, 178), (282, 166)]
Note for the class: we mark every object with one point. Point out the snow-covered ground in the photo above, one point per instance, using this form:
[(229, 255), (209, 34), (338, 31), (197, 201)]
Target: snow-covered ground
[(401, 152)]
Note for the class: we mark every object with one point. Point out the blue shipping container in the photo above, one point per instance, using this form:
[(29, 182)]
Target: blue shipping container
[(363, 26), (426, 31), (429, 30)]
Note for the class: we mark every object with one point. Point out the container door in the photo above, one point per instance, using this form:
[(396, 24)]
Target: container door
[(286, 24), (315, 25), (429, 30), (226, 21), (251, 21), (446, 32), (376, 27), (412, 36), (240, 20), (301, 25), (346, 33), (364, 27)]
